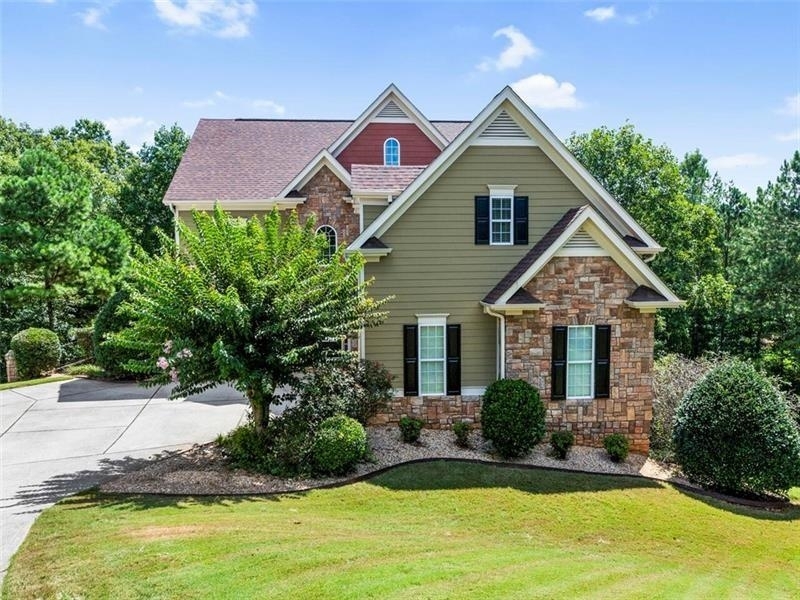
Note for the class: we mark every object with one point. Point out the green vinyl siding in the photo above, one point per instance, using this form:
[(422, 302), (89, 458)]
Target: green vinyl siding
[(371, 213), (435, 266)]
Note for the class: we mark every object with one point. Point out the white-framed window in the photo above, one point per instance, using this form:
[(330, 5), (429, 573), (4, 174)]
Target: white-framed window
[(330, 236), (580, 361), (391, 152), (432, 355), (501, 215)]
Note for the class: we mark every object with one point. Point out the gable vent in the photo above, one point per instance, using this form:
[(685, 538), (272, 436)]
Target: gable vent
[(504, 127), (582, 241), (391, 111)]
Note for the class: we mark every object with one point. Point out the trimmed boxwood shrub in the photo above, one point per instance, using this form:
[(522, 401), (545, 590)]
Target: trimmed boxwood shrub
[(512, 417), (37, 351), (111, 357), (339, 444), (561, 442), (617, 446), (733, 432), (410, 428)]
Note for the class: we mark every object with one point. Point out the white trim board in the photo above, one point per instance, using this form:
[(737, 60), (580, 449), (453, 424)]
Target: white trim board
[(323, 159), (509, 101)]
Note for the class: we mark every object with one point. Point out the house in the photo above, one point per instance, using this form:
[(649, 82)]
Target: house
[(504, 256)]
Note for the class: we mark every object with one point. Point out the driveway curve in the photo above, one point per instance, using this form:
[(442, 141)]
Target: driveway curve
[(57, 439)]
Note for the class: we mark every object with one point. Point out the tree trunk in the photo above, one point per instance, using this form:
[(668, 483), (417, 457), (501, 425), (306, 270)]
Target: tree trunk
[(259, 405)]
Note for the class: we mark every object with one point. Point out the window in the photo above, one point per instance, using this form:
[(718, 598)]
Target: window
[(501, 219), (580, 361), (330, 235), (391, 153), (432, 359)]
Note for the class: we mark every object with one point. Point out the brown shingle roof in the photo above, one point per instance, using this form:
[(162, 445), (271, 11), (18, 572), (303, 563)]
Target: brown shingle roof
[(379, 177), (254, 159), (523, 296), (532, 256), (645, 294), (374, 243)]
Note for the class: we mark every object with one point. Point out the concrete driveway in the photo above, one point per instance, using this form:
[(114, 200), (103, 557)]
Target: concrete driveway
[(59, 438)]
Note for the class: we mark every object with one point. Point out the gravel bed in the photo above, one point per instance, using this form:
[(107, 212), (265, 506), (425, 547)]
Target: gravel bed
[(202, 470)]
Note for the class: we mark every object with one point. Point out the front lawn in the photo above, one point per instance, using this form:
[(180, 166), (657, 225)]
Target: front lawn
[(28, 382), (432, 530)]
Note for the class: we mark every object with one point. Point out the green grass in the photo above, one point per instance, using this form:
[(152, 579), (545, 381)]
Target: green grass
[(86, 370), (28, 382), (433, 530)]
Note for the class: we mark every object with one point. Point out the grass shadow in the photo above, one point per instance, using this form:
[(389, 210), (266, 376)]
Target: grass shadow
[(765, 511)]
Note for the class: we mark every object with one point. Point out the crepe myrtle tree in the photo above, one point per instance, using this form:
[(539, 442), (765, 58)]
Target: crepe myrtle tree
[(246, 302)]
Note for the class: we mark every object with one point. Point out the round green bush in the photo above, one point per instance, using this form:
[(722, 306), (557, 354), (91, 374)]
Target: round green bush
[(734, 432), (108, 355), (512, 417), (617, 446), (339, 444), (37, 351)]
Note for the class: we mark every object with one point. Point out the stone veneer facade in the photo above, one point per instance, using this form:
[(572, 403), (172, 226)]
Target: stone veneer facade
[(588, 291), (325, 198), (438, 412)]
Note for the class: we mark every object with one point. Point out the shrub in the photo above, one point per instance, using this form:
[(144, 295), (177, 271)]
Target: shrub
[(461, 430), (246, 448), (733, 432), (410, 429), (110, 356), (561, 442), (617, 446), (37, 351), (339, 444), (84, 340), (512, 417), (291, 439), (86, 370), (357, 389), (673, 376)]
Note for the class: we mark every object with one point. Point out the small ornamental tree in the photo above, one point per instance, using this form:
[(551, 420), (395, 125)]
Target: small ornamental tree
[(246, 302)]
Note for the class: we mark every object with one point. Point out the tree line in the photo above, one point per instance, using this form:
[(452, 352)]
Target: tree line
[(73, 205)]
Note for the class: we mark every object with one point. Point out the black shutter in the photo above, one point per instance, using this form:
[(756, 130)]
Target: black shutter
[(602, 360), (482, 220), (520, 220), (454, 360), (559, 364), (410, 369)]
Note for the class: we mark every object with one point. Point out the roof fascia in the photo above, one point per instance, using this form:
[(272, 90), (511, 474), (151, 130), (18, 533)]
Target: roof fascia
[(619, 251), (365, 118), (323, 159)]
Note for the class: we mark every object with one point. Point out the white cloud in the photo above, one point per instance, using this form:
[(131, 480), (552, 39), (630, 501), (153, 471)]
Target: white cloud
[(138, 90), (736, 161), (544, 91), (219, 98), (791, 106), (133, 130), (221, 18), (93, 15), (790, 136), (514, 55), (601, 13)]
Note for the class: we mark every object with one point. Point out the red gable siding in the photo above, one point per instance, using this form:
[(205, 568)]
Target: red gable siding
[(367, 147)]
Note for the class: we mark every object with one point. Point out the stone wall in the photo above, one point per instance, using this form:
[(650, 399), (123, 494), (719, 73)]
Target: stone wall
[(325, 195), (588, 291), (438, 412)]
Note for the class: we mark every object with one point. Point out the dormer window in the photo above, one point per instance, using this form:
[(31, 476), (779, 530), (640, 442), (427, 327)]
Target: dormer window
[(391, 152)]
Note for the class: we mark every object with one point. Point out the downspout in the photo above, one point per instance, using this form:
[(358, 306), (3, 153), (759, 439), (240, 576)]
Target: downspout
[(502, 324)]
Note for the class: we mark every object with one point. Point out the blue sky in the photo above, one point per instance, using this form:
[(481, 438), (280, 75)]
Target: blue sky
[(722, 77)]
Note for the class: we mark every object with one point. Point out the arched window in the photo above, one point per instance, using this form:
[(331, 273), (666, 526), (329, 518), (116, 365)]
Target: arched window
[(330, 235), (391, 152)]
